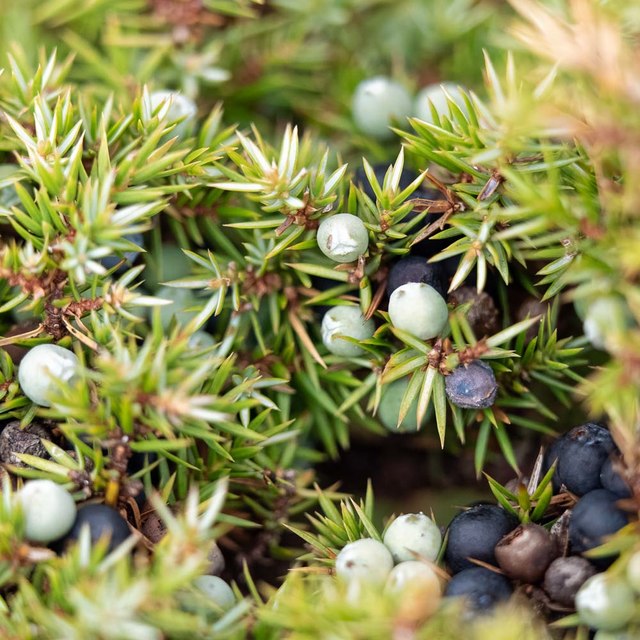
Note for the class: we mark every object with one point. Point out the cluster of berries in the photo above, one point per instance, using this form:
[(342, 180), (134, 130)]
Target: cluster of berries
[(50, 515), (403, 561), (379, 100), (489, 554), (548, 560), (417, 304)]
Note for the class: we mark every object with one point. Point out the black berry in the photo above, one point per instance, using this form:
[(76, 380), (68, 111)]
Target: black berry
[(594, 517), (472, 386), (481, 587), (611, 479), (417, 269), (475, 533), (580, 454), (102, 520)]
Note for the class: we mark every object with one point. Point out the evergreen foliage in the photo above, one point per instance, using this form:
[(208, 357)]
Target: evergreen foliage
[(128, 228)]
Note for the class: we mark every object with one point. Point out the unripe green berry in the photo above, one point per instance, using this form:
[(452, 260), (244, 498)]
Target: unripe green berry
[(410, 534), (175, 106), (376, 102), (49, 510), (201, 340), (633, 572), (605, 603), (418, 309), (217, 589), (42, 367), (418, 588), (414, 575), (345, 321), (184, 307), (342, 237), (606, 317), (170, 264), (615, 635), (436, 94), (365, 560), (389, 408)]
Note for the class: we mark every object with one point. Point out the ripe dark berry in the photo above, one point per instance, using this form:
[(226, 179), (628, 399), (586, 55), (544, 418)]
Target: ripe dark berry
[(482, 588), (472, 386), (612, 480), (475, 533), (580, 454), (483, 316), (594, 517), (102, 520), (565, 576), (526, 552), (417, 269)]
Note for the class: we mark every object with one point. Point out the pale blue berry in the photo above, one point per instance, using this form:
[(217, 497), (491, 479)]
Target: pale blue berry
[(184, 306), (633, 572), (376, 102), (345, 321), (389, 408), (615, 635), (175, 106), (42, 368), (342, 237), (411, 534), (217, 590), (436, 95), (415, 575), (365, 560), (605, 602), (49, 510), (201, 340), (170, 263), (418, 309), (605, 318)]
